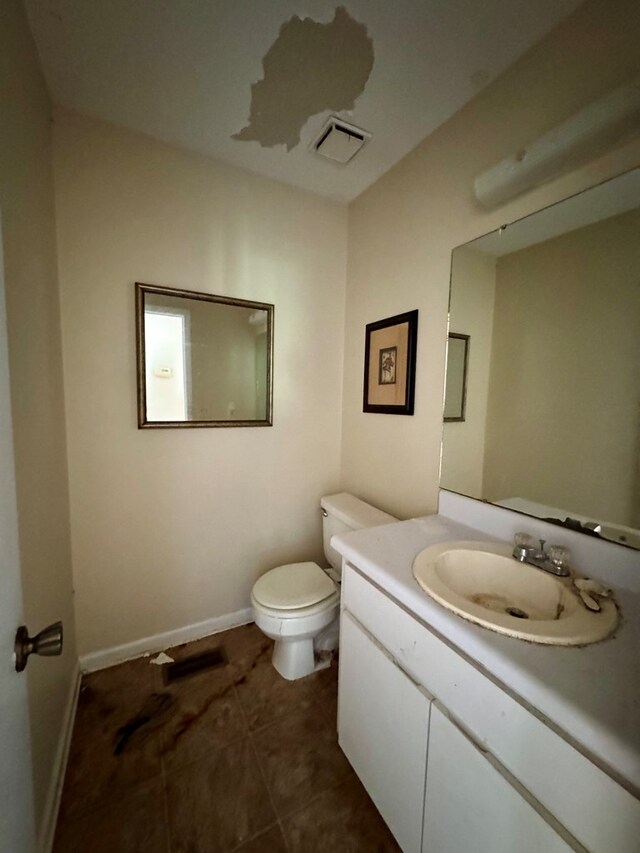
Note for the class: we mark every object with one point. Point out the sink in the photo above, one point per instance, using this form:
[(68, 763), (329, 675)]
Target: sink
[(483, 583)]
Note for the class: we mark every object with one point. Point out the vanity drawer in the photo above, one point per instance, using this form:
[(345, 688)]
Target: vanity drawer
[(596, 810)]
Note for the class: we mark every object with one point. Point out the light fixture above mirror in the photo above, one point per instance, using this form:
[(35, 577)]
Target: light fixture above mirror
[(202, 360), (552, 419)]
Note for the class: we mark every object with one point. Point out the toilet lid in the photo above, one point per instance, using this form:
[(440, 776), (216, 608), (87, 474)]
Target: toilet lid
[(293, 586)]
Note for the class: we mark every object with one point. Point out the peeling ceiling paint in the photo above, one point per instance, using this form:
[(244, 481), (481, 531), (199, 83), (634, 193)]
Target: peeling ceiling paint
[(183, 71), (311, 67)]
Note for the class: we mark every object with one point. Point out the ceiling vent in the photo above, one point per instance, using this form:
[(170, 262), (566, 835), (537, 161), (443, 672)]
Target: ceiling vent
[(340, 141)]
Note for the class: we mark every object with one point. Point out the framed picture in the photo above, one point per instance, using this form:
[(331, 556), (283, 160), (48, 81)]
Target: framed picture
[(390, 365), (455, 395)]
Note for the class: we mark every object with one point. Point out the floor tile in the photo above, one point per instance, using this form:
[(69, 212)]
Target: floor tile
[(218, 736), (271, 841), (300, 757), (245, 641), (342, 819), (266, 696), (326, 684), (119, 687), (218, 802), (108, 701), (207, 716), (134, 824)]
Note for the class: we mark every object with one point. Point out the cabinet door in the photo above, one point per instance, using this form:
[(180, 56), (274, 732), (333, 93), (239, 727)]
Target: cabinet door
[(383, 723), (471, 806)]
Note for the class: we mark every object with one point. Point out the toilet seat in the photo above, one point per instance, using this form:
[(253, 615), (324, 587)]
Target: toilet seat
[(294, 587), (300, 613)]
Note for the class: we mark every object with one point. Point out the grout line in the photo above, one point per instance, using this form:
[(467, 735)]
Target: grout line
[(288, 814), (268, 789), (262, 773), (165, 799), (207, 754), (238, 848)]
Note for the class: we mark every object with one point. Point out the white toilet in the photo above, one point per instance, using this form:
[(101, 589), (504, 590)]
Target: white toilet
[(298, 604)]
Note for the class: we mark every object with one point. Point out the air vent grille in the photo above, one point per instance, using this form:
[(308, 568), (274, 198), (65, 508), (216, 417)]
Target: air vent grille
[(340, 141)]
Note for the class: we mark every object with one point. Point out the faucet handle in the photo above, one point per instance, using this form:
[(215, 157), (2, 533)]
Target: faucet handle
[(522, 546), (542, 544), (559, 556)]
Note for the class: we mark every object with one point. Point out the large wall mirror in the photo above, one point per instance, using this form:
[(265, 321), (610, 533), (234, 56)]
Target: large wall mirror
[(552, 419), (203, 360)]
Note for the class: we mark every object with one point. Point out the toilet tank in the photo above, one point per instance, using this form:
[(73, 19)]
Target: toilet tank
[(343, 513)]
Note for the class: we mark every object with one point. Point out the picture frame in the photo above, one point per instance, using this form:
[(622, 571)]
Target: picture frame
[(455, 395), (390, 365)]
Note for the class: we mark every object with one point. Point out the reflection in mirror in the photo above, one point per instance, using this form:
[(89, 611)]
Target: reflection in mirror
[(455, 392), (552, 424), (203, 360)]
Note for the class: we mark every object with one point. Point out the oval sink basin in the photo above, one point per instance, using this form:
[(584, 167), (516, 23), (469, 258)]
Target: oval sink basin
[(482, 582)]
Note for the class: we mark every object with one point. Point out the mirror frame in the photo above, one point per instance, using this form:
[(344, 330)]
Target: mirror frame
[(143, 423), (465, 369)]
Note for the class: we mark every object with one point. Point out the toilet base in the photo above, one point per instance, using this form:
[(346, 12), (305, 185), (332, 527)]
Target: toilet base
[(294, 658)]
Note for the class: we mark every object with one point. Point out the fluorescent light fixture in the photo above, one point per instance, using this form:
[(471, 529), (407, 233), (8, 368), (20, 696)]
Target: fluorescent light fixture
[(585, 135)]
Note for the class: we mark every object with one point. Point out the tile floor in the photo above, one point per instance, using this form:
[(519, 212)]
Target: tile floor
[(239, 760)]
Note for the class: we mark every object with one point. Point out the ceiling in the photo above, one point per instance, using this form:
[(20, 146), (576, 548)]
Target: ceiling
[(183, 70)]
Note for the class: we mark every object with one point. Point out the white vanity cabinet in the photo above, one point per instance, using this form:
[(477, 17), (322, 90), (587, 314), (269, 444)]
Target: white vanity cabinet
[(384, 724), (453, 761), (472, 804)]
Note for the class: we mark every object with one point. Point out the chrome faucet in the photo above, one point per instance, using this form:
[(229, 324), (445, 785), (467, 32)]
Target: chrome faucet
[(555, 560)]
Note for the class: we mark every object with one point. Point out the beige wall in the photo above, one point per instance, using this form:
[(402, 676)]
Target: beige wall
[(402, 231), (473, 282), (563, 422), (26, 202), (171, 527)]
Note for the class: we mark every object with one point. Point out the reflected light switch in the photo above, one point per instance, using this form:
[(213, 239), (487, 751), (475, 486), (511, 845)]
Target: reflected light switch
[(163, 372)]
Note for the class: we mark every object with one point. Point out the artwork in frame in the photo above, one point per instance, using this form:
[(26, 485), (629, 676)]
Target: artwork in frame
[(390, 365)]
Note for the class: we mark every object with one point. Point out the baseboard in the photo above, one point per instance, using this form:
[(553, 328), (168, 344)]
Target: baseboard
[(158, 642), (52, 805)]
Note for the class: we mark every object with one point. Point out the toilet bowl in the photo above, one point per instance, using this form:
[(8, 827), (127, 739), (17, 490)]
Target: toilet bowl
[(298, 604)]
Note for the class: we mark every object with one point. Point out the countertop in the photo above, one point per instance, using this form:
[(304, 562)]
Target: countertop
[(591, 693)]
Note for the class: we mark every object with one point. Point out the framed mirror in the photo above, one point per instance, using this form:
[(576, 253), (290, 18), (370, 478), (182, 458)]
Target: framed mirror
[(202, 360), (455, 392), (552, 421)]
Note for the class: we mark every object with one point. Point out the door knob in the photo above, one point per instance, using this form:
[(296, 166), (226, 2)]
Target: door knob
[(47, 643)]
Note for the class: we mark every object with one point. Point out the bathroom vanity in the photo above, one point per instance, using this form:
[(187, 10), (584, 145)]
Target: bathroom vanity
[(468, 740)]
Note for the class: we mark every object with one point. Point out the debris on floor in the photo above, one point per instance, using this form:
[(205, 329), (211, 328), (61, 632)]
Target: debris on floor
[(161, 659)]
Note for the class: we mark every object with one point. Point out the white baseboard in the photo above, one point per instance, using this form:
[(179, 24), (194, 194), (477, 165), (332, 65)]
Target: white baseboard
[(52, 805), (159, 642)]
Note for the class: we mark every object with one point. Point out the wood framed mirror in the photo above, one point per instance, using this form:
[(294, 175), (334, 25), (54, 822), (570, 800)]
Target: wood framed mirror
[(455, 397), (202, 360)]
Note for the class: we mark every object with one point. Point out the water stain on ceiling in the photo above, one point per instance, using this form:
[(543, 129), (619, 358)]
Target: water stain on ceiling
[(311, 67)]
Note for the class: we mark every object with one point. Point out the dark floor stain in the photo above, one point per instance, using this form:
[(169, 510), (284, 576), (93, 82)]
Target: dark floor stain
[(155, 706), (189, 720), (215, 792), (265, 651), (194, 664)]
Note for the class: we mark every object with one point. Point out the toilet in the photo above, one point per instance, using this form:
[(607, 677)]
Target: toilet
[(298, 604)]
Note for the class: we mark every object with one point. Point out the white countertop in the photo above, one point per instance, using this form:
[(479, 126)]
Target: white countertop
[(590, 693)]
